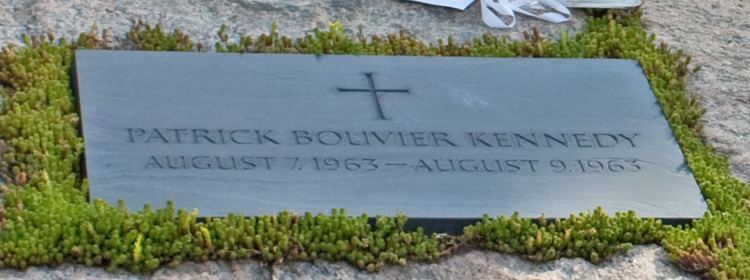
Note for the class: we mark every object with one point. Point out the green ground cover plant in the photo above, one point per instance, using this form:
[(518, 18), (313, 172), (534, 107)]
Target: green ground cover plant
[(46, 219)]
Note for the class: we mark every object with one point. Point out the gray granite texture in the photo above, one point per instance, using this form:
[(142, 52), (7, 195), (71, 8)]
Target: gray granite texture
[(717, 34), (642, 262), (202, 18), (188, 270), (322, 150)]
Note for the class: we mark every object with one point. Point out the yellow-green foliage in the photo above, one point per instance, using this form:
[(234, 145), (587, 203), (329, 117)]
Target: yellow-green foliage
[(588, 235), (48, 220), (145, 37), (38, 122)]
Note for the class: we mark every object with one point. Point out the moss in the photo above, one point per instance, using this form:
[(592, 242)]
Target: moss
[(47, 219)]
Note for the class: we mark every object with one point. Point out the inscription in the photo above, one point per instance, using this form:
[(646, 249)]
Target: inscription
[(424, 165), (397, 139), (443, 139), (202, 136), (379, 138), (375, 93), (209, 162)]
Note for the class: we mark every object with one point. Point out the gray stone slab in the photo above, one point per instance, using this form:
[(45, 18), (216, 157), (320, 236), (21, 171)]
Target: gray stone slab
[(719, 43), (451, 139)]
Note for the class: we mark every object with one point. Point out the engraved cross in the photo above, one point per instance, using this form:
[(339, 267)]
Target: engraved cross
[(375, 94)]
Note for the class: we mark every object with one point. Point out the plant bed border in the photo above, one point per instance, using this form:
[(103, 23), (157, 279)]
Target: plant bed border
[(46, 218)]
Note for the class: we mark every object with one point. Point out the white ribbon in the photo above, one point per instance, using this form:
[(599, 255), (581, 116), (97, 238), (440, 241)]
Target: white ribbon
[(493, 10)]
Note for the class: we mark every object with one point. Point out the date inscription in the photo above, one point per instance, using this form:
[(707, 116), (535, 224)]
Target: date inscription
[(494, 142)]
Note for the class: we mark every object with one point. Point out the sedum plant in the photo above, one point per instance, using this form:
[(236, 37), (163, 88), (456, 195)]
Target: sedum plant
[(145, 37), (46, 219)]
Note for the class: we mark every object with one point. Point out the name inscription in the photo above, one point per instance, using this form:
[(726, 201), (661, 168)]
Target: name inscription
[(395, 139), (443, 139)]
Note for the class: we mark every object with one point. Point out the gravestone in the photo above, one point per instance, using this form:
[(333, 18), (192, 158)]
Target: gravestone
[(443, 140)]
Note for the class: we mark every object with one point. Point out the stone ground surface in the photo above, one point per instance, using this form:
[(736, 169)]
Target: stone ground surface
[(201, 19), (640, 263), (715, 32)]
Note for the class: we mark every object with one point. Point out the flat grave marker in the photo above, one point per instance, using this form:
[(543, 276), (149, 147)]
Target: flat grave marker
[(439, 139)]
